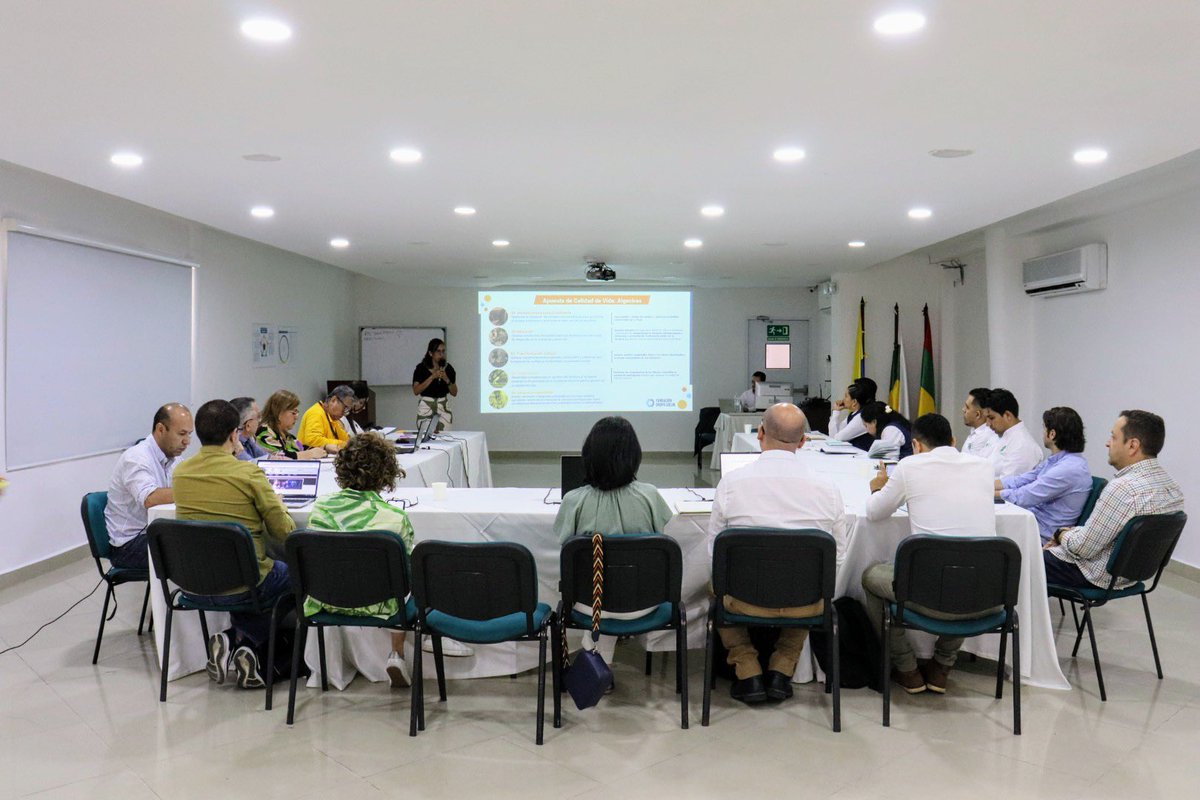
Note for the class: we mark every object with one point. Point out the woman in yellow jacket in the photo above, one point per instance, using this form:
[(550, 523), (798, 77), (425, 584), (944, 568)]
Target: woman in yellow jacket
[(321, 424)]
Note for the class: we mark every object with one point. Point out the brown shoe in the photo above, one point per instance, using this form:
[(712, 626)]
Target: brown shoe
[(935, 676), (910, 681)]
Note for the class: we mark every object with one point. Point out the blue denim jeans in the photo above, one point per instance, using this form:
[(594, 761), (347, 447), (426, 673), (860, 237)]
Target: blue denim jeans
[(1064, 573), (249, 626), (134, 554)]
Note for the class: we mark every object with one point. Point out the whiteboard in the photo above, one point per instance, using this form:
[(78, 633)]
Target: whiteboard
[(104, 332), (388, 356)]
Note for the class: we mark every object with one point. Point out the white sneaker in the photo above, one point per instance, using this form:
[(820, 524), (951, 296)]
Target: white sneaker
[(397, 670), (451, 648), (218, 657)]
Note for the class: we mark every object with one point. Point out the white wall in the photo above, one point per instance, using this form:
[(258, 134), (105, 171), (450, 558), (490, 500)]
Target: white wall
[(1132, 345), (718, 361), (238, 283)]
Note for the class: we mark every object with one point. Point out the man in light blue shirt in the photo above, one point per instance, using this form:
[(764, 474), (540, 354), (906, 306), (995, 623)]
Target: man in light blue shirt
[(1056, 489)]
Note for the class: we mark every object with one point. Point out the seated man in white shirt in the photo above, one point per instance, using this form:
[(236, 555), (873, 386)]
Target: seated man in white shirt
[(775, 491), (982, 440), (748, 399), (845, 422), (141, 479), (948, 493), (1016, 451)]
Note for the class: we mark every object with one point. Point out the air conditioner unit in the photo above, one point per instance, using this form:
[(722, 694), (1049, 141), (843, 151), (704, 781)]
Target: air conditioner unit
[(1084, 269)]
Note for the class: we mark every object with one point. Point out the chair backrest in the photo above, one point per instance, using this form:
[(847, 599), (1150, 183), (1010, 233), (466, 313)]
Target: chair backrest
[(774, 568), (1098, 485), (958, 574), (92, 511), (204, 557), (1144, 546), (640, 571), (708, 419), (476, 581), (348, 569)]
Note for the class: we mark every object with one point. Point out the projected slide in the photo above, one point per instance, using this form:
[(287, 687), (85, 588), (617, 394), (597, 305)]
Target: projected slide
[(585, 351)]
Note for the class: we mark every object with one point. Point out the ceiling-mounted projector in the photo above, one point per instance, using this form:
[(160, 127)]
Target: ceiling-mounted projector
[(599, 272)]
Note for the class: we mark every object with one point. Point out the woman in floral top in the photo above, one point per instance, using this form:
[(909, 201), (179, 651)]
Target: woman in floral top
[(365, 467), (279, 417)]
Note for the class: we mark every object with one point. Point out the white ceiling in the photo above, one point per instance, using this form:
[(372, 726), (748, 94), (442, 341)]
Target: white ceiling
[(597, 129)]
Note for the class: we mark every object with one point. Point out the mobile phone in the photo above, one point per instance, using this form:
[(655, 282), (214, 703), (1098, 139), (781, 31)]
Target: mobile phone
[(889, 465)]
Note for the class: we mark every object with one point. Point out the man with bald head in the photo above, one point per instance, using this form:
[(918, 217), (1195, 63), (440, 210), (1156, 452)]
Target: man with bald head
[(141, 479), (775, 491)]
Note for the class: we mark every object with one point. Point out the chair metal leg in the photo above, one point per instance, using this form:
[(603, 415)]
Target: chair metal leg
[(145, 603), (1078, 627), (887, 659), (439, 666), (166, 654), (835, 658), (708, 670), (271, 657), (297, 655), (1087, 618), (321, 652), (1153, 643), (1000, 664), (649, 661), (103, 615), (556, 637), (541, 697), (415, 702), (203, 627), (682, 671), (1016, 637), (1062, 609)]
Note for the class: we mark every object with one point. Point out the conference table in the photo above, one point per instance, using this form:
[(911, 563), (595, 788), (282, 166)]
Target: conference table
[(527, 516), (727, 426)]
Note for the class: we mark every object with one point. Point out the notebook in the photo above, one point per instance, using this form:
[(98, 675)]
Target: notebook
[(294, 481)]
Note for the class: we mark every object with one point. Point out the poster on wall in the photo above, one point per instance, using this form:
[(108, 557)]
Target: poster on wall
[(273, 345)]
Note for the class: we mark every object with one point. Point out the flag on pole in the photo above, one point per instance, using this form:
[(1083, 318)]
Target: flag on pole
[(927, 402), (898, 391), (860, 354)]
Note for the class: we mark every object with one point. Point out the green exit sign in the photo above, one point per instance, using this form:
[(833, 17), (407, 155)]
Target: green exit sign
[(779, 333)]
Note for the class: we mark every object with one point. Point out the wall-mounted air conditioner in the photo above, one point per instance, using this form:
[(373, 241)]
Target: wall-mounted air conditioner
[(1084, 269)]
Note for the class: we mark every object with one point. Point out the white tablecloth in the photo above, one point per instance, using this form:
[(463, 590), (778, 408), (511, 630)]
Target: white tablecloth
[(727, 425)]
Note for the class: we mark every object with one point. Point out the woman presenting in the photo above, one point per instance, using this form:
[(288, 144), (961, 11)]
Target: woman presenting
[(433, 384)]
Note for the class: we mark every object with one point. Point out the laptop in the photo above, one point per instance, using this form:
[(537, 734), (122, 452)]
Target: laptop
[(731, 462), (427, 428), (294, 481), (571, 476)]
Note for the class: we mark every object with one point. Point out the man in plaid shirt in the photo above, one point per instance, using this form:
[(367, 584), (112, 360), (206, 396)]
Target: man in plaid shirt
[(1078, 556)]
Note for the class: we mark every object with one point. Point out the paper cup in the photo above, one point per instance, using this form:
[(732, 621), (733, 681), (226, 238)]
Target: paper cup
[(439, 490)]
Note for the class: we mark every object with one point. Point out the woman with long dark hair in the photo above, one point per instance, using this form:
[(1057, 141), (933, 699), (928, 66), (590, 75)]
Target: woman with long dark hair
[(892, 432), (434, 384)]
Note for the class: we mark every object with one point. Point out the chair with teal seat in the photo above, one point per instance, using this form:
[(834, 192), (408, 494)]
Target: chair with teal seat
[(641, 571), (348, 570), (1142, 551), (1085, 513), (977, 577), (479, 593), (92, 511), (774, 569)]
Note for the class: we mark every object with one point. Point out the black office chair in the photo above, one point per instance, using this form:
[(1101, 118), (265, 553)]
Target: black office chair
[(706, 430), (209, 558), (640, 571), (1142, 551), (479, 593), (345, 570), (1085, 513), (92, 511), (957, 575), (774, 569)]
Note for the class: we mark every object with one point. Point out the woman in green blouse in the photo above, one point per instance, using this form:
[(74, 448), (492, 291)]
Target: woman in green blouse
[(279, 416), (366, 466)]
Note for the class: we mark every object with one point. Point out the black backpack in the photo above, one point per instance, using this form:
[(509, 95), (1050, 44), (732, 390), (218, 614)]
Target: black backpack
[(859, 649)]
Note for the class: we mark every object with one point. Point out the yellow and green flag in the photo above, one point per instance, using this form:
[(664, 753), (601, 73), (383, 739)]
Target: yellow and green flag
[(927, 401), (860, 355), (898, 387)]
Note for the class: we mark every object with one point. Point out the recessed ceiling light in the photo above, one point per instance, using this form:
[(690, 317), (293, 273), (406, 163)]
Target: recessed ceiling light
[(693, 243), (1090, 155), (899, 23), (339, 242), (951, 152), (265, 158), (405, 155), (856, 243), (266, 30), (919, 213), (713, 211), (126, 159), (262, 212), (464, 211), (789, 155), (500, 242)]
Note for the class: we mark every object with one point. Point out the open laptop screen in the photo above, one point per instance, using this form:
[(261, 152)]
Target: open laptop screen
[(293, 480), (572, 473)]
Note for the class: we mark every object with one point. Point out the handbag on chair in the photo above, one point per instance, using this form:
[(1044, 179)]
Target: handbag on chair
[(588, 677)]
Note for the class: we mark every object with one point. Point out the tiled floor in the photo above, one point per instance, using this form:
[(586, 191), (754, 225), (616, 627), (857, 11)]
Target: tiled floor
[(68, 729)]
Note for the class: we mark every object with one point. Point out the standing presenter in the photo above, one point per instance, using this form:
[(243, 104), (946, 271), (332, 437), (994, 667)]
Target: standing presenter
[(434, 385)]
